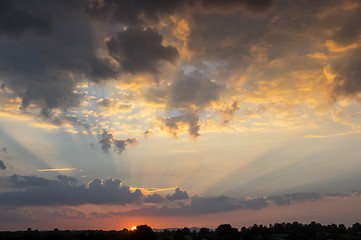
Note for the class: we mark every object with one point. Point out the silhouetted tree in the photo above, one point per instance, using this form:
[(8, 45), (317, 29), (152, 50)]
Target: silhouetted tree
[(144, 232)]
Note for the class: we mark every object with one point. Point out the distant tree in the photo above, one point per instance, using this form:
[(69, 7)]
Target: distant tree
[(180, 234), (144, 232), (226, 231)]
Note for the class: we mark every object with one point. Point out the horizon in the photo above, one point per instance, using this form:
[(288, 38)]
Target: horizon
[(115, 114)]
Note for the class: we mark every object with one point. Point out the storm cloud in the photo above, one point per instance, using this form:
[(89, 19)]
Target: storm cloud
[(177, 195), (140, 50), (14, 21), (64, 191)]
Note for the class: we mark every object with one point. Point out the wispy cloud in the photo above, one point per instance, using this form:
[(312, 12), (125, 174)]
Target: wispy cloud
[(56, 170)]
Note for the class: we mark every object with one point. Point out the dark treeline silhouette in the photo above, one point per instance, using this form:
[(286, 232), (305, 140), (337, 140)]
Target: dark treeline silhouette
[(278, 231)]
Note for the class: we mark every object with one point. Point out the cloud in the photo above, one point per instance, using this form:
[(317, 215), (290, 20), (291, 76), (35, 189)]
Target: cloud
[(177, 195), (14, 22), (147, 132), (258, 6), (220, 204), (350, 31), (131, 12), (2, 165), (113, 104), (153, 198), (107, 139), (346, 82), (173, 125), (140, 50), (229, 111), (287, 199), (64, 191), (45, 70), (193, 89)]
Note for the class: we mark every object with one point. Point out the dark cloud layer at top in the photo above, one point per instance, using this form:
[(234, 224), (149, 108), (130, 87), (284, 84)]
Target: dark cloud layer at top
[(14, 21), (51, 55), (139, 50), (254, 6), (45, 70), (347, 81), (131, 11)]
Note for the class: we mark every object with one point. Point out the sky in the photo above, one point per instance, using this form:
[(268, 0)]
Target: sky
[(179, 113)]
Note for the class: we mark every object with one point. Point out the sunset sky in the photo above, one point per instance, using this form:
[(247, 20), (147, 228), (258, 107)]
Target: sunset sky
[(174, 113)]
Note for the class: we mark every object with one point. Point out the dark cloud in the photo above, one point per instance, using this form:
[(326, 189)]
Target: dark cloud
[(107, 139), (193, 89), (347, 81), (63, 191), (2, 165), (153, 198), (337, 195), (254, 6), (67, 179), (45, 70), (221, 204), (140, 50), (177, 195), (287, 199), (173, 125), (132, 12), (29, 181), (14, 22), (350, 31)]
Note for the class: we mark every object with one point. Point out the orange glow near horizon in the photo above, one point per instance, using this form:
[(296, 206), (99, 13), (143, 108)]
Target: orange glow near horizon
[(133, 228)]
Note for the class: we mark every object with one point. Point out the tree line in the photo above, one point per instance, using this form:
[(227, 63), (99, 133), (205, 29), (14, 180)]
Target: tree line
[(277, 231)]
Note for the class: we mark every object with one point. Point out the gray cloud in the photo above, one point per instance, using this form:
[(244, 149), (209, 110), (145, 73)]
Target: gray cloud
[(140, 50), (15, 21), (229, 111), (187, 94), (107, 139), (45, 70), (63, 191), (177, 195), (153, 198), (132, 11), (350, 31), (194, 88), (348, 74), (254, 6), (2, 165), (221, 204), (189, 118)]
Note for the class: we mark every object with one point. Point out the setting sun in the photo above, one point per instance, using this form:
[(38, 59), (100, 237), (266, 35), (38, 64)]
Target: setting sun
[(133, 228)]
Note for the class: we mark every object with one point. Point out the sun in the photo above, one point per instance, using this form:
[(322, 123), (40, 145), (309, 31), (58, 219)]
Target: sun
[(133, 228)]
